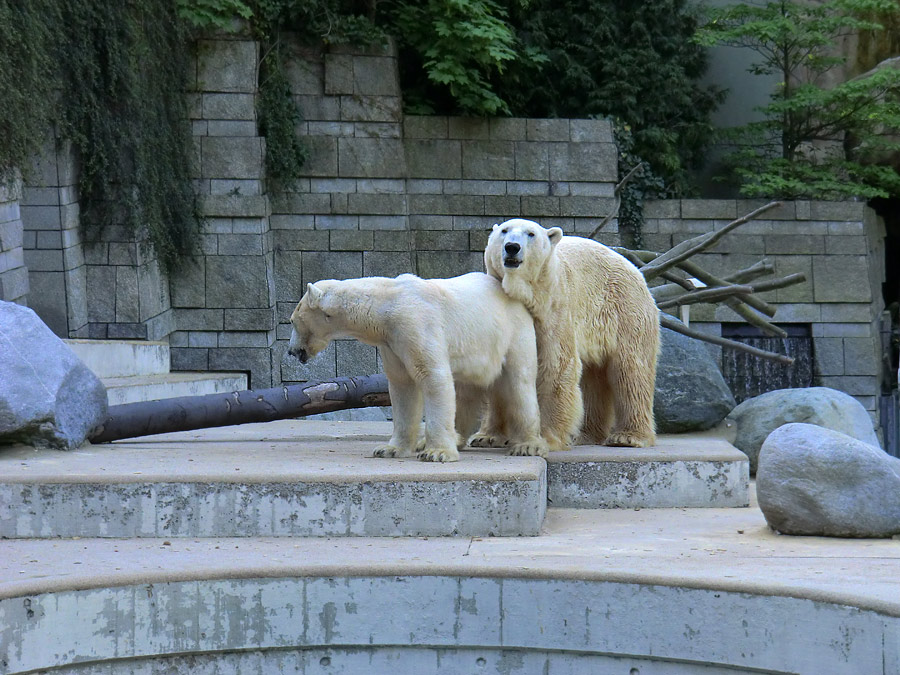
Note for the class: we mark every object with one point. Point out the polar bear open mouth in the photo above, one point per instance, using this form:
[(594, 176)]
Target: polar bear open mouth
[(511, 262)]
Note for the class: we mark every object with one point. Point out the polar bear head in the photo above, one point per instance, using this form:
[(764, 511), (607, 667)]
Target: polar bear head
[(519, 247), (313, 325)]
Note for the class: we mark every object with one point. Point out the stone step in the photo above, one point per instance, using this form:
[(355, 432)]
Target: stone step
[(122, 358), (317, 478), (289, 478), (686, 470), (169, 385)]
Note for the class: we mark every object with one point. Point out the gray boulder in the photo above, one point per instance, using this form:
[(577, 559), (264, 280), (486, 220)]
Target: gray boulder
[(815, 481), (691, 394), (757, 417), (48, 397)]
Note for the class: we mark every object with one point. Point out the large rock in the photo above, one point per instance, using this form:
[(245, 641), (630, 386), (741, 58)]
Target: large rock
[(757, 417), (48, 397), (815, 481), (691, 394)]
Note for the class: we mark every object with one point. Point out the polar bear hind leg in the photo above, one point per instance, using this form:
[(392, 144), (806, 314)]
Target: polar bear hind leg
[(599, 406), (494, 429), (633, 396)]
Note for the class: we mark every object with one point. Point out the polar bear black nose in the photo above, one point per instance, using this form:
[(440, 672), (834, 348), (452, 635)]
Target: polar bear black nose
[(512, 248)]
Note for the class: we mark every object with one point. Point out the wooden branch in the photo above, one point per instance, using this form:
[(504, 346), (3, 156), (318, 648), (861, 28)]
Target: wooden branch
[(754, 319), (760, 269), (615, 210), (691, 247), (705, 295), (695, 270), (240, 407), (771, 285), (668, 322)]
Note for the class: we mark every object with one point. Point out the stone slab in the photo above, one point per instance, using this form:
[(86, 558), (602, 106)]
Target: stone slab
[(660, 591), (120, 390), (680, 471), (122, 358), (190, 485)]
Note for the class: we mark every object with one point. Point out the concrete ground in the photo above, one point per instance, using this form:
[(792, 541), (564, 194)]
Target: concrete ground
[(728, 549)]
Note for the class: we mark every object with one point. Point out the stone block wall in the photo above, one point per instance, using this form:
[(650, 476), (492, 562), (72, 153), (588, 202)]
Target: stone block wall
[(102, 285), (837, 245), (13, 273), (224, 299), (386, 193), (52, 241)]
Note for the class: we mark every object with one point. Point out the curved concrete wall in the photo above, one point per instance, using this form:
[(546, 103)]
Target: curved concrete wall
[(437, 624)]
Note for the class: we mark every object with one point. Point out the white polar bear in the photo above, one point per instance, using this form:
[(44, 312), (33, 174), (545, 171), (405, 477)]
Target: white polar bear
[(433, 334), (596, 325)]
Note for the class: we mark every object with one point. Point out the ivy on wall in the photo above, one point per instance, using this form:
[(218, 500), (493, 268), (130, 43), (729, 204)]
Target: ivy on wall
[(111, 76)]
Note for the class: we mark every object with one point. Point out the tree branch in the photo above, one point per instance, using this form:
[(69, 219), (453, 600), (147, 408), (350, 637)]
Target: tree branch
[(678, 327), (615, 210), (691, 247)]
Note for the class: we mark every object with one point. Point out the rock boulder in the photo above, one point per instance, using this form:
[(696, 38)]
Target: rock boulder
[(48, 397), (691, 394), (815, 481), (757, 417)]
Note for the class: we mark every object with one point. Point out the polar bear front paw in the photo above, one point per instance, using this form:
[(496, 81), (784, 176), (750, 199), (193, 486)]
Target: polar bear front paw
[(530, 449), (438, 455), (388, 450), (488, 441), (623, 439)]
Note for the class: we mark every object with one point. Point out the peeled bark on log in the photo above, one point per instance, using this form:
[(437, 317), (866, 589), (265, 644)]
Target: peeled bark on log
[(186, 413)]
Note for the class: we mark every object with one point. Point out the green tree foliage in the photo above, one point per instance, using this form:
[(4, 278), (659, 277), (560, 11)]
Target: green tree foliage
[(452, 51), (634, 61), (813, 137)]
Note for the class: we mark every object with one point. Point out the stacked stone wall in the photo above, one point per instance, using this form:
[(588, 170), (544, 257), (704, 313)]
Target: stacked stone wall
[(224, 299), (383, 194), (52, 241), (386, 193), (13, 273), (839, 246)]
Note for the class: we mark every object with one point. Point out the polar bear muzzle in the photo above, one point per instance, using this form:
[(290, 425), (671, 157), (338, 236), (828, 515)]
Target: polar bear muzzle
[(512, 255)]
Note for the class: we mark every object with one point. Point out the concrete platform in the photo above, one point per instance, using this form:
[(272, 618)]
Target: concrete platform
[(650, 591), (679, 471), (138, 370), (157, 386), (292, 478)]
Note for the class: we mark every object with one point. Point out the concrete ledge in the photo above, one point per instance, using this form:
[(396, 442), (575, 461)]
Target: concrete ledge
[(680, 471), (288, 487), (385, 625), (122, 358), (121, 390)]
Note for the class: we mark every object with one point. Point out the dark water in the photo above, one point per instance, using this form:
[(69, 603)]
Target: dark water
[(750, 376)]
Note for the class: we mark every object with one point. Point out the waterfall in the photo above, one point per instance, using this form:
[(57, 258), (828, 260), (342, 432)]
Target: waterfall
[(750, 376)]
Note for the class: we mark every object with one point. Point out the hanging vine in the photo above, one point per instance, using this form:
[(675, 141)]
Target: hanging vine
[(111, 76)]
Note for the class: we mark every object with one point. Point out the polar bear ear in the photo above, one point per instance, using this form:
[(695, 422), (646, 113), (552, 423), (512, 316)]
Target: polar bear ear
[(555, 234), (494, 228), (314, 293)]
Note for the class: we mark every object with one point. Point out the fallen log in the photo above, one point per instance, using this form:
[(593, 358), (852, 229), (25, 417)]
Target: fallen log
[(186, 413)]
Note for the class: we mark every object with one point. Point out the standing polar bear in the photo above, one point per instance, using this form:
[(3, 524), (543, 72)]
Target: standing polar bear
[(596, 324), (445, 344)]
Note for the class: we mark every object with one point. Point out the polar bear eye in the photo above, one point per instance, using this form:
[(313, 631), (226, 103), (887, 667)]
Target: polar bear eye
[(531, 234), (504, 230)]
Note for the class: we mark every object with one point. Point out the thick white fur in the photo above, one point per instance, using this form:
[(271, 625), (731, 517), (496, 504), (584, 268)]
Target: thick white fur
[(597, 330), (445, 344)]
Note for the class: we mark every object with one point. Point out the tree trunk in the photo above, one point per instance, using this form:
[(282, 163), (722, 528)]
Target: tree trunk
[(240, 407)]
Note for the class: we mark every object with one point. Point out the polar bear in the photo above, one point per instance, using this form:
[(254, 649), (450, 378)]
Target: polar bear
[(596, 324), (434, 334)]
